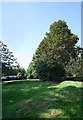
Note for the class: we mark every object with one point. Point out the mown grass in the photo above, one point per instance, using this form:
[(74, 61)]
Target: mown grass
[(42, 100)]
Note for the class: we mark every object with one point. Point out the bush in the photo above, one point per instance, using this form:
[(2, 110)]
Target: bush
[(48, 69), (75, 68)]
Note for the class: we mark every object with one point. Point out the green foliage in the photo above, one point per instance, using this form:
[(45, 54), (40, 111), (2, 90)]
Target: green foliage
[(13, 71), (31, 72), (48, 69), (59, 42), (19, 71), (55, 50), (75, 68), (8, 61), (5, 70), (7, 56)]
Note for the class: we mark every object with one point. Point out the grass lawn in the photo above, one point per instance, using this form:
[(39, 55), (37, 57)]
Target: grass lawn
[(42, 100)]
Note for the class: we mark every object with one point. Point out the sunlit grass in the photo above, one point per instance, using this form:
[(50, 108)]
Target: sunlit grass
[(42, 100), (23, 80)]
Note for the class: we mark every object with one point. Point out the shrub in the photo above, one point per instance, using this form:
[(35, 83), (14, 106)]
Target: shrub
[(75, 68), (48, 69)]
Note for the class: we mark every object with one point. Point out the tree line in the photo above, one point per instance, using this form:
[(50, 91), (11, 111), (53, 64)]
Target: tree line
[(10, 65), (57, 57)]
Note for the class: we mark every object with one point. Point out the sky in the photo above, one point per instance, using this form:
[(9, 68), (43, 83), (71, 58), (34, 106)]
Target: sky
[(24, 24)]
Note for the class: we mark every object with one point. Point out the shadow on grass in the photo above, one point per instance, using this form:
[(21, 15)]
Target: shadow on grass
[(69, 101), (66, 100), (19, 81)]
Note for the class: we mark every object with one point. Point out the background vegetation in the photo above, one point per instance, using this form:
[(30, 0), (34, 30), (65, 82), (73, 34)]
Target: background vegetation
[(10, 66)]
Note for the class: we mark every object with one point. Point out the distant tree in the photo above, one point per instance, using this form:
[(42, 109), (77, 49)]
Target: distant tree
[(59, 43), (31, 71), (19, 72)]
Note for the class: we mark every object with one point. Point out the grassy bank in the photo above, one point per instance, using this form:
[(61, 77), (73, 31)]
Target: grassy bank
[(42, 100)]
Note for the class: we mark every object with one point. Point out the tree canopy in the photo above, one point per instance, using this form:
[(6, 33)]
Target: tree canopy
[(55, 51), (59, 43), (7, 56)]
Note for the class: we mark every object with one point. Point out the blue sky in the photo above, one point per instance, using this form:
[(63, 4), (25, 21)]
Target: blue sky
[(24, 24)]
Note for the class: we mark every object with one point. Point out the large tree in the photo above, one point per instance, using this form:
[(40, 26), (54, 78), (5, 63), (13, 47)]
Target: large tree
[(59, 43), (7, 59), (7, 56)]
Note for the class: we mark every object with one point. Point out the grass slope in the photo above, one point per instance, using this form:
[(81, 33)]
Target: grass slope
[(42, 100)]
